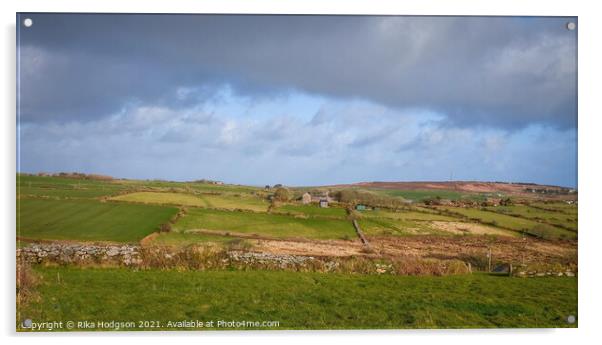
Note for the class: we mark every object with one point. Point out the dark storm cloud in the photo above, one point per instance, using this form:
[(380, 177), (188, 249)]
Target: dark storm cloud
[(502, 72)]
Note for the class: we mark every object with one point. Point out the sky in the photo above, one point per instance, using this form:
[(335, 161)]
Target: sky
[(299, 100)]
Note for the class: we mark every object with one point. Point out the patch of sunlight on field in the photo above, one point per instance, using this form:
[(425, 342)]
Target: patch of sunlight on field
[(235, 201), (512, 223), (162, 198), (556, 218), (220, 201), (379, 226)]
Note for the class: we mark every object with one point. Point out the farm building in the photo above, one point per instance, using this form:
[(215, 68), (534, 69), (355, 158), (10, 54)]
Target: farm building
[(306, 198), (360, 207), (323, 202), (320, 197)]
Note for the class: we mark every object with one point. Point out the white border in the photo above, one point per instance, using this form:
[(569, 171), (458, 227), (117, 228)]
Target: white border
[(589, 162)]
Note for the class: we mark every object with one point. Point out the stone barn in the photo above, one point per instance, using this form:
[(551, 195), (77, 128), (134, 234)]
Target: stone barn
[(306, 198)]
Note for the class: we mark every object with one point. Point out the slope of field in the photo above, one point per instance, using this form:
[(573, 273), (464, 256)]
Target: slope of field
[(60, 187), (556, 218), (88, 220), (222, 201), (471, 187), (513, 223), (162, 198), (303, 300), (273, 225), (556, 207), (420, 195)]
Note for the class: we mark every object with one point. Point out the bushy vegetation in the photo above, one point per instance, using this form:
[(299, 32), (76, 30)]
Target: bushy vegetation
[(354, 196), (282, 194)]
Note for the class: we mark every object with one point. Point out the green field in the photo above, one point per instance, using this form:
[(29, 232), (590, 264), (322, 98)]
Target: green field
[(191, 186), (274, 225), (559, 219), (390, 226), (512, 223), (557, 206), (303, 300), (311, 210), (88, 220), (235, 201), (222, 201), (60, 187), (406, 215), (162, 198), (420, 195)]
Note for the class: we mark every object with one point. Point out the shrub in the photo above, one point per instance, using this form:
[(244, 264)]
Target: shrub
[(282, 194), (238, 244), (165, 227), (27, 280)]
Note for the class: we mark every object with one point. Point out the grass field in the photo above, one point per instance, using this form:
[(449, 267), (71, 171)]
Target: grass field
[(195, 186), (88, 220), (312, 210), (223, 201), (419, 195), (390, 226), (235, 201), (557, 206), (60, 187), (162, 198), (303, 300), (554, 218), (406, 215), (513, 223), (273, 225)]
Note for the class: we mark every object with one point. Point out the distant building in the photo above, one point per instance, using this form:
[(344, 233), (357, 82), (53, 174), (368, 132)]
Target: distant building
[(320, 197), (323, 203), (360, 207), (306, 198)]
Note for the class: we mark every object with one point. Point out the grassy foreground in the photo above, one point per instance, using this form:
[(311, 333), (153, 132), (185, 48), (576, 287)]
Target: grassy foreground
[(300, 300)]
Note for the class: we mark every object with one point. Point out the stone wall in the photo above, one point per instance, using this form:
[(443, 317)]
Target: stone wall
[(127, 255), (157, 257)]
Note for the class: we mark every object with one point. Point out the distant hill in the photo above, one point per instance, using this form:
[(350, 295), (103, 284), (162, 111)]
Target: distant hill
[(517, 189)]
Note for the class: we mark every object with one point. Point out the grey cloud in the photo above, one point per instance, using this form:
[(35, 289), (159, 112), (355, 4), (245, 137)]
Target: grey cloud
[(131, 145), (503, 72)]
